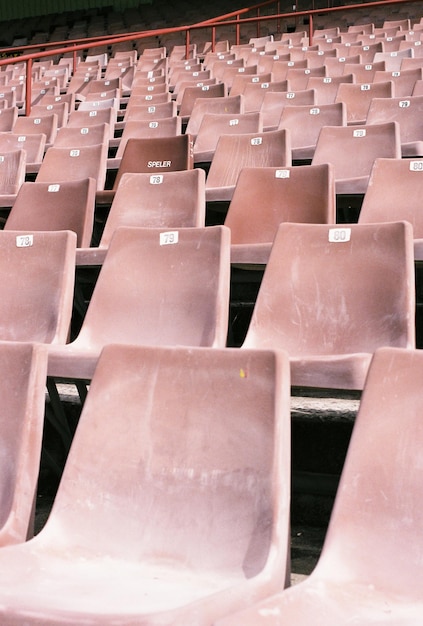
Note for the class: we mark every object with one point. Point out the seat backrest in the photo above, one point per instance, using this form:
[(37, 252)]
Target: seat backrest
[(150, 112), (58, 206), (178, 296), (266, 196), (339, 290), (234, 152), (172, 455), (12, 171), (156, 155), (74, 137), (46, 124), (214, 125), (254, 93), (82, 119), (378, 509), (168, 200), (352, 150), (36, 288), (23, 369), (407, 112), (61, 109), (64, 164), (274, 103), (305, 124), (358, 97), (8, 118), (404, 81), (326, 87), (191, 95), (393, 193), (33, 145), (149, 129), (226, 104)]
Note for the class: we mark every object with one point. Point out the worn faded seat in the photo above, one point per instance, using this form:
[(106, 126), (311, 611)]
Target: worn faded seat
[(23, 369), (394, 193), (331, 295), (266, 196), (352, 151), (168, 200), (169, 455), (180, 292), (59, 206), (369, 569), (234, 152)]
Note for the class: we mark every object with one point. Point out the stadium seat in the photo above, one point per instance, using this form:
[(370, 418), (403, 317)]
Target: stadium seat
[(352, 151), (46, 125), (407, 113), (8, 118), (234, 152), (305, 123), (23, 378), (266, 196), (214, 125), (178, 296), (376, 517), (36, 286), (326, 87), (149, 129), (404, 81), (358, 96), (60, 206), (192, 94), (33, 145), (169, 455), (393, 194), (168, 200), (12, 175), (65, 164), (74, 137), (342, 292), (225, 104), (274, 103)]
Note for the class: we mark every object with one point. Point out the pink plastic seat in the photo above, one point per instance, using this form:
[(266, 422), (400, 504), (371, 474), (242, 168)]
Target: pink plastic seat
[(23, 377), (234, 152), (12, 175), (358, 96), (266, 196), (331, 295), (326, 87), (225, 105), (149, 129), (305, 123), (393, 194), (369, 569), (74, 137), (408, 114), (352, 151), (33, 145), (36, 286), (214, 125), (59, 206), (274, 103), (179, 295), (170, 456), (46, 124), (169, 200), (64, 164)]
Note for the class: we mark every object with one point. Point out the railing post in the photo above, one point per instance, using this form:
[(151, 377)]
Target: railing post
[(258, 22), (28, 87), (237, 27), (75, 61), (310, 29), (213, 42), (187, 44)]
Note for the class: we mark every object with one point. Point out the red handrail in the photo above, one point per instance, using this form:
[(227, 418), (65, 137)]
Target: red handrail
[(214, 23)]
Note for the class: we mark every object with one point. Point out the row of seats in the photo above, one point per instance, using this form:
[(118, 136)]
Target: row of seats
[(208, 532), (177, 522)]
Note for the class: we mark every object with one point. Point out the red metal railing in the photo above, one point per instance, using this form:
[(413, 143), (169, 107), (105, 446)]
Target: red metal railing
[(233, 18)]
